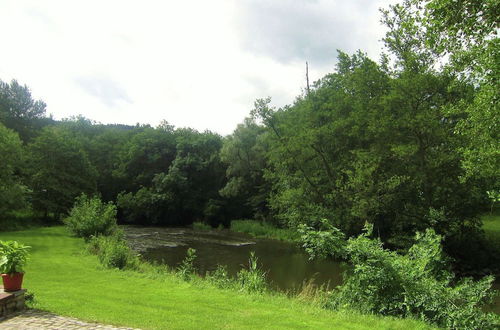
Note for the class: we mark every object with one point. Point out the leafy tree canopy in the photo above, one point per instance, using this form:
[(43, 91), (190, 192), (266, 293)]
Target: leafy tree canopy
[(12, 191)]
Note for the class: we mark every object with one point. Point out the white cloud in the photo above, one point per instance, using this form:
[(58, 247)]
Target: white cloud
[(194, 63)]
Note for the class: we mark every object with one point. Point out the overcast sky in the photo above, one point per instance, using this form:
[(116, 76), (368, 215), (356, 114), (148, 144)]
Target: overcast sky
[(194, 63)]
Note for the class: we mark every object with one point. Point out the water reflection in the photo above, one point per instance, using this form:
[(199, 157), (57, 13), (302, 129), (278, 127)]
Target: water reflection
[(286, 265)]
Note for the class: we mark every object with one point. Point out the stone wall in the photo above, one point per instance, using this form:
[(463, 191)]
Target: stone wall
[(11, 302)]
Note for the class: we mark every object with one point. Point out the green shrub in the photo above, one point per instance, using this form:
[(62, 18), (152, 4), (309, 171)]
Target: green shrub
[(322, 243), (13, 257), (29, 298), (186, 269), (91, 217), (417, 284), (253, 279), (220, 277), (94, 244), (201, 226), (113, 252)]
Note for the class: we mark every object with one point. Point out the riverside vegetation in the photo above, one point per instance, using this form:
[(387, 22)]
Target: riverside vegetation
[(139, 294), (264, 230), (154, 298), (408, 144), (417, 285)]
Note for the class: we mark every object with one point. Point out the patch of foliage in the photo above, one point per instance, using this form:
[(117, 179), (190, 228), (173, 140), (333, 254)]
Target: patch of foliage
[(494, 196), (253, 279), (264, 229), (23, 219), (19, 111), (322, 243), (181, 191), (417, 284), (369, 145), (12, 191), (244, 153), (30, 299), (13, 257), (113, 251), (220, 278), (186, 269), (462, 35), (59, 170), (201, 226), (91, 217), (249, 280)]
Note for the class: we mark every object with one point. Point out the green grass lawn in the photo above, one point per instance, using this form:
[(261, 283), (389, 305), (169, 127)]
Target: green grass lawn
[(69, 282)]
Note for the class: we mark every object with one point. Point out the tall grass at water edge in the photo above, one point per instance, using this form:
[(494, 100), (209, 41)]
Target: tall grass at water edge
[(264, 230)]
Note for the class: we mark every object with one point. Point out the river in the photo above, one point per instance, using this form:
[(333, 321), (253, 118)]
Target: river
[(287, 266)]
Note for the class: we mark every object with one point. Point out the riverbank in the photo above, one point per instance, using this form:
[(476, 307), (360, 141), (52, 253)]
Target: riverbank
[(264, 230), (70, 282), (491, 226)]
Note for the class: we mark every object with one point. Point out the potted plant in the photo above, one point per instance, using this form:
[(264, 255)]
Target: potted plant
[(13, 257)]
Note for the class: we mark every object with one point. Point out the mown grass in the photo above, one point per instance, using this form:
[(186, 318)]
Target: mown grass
[(70, 282), (264, 230)]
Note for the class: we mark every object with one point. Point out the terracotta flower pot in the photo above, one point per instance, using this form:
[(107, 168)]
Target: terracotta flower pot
[(12, 282)]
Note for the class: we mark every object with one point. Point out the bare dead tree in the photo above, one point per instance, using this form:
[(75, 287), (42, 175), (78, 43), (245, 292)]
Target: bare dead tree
[(307, 77)]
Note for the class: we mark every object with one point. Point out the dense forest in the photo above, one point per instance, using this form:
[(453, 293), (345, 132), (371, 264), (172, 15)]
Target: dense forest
[(406, 143)]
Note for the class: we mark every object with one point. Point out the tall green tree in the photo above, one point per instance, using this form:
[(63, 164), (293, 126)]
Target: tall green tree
[(463, 37), (185, 191), (13, 192), (59, 171), (458, 39), (104, 153), (148, 152), (244, 153), (371, 144), (19, 111)]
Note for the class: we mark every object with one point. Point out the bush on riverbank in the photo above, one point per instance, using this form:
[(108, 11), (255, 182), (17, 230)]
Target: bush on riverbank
[(264, 230), (113, 251), (249, 280), (186, 269), (253, 279), (417, 284), (95, 221), (91, 217)]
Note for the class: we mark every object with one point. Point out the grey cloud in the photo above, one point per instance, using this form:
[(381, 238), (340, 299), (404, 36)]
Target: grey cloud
[(303, 30), (257, 83), (106, 90), (259, 87)]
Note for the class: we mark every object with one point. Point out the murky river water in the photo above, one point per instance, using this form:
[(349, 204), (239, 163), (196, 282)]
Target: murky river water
[(287, 266)]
